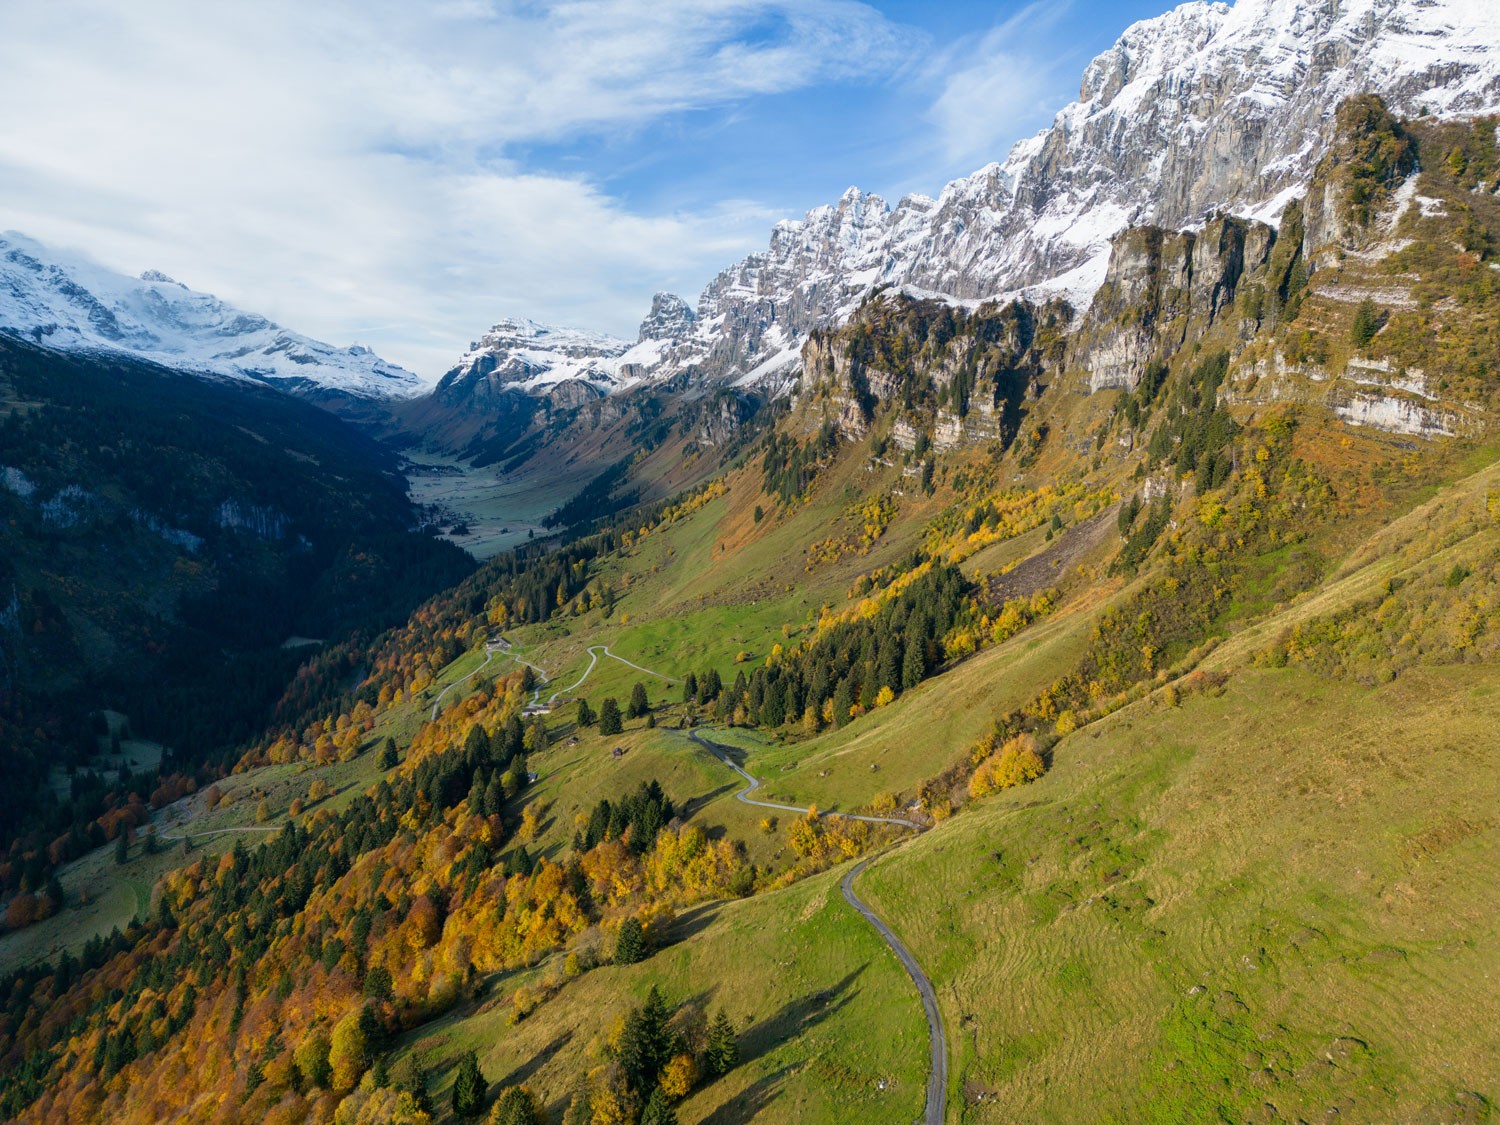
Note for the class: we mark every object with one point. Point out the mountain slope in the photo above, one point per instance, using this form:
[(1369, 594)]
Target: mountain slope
[(161, 536), (70, 304)]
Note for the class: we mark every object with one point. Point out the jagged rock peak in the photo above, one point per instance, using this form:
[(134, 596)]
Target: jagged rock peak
[(521, 354), (521, 332), (670, 318)]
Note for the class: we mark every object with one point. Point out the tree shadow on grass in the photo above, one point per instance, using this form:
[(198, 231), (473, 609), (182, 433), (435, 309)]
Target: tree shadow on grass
[(798, 1016), (750, 1102), (691, 807), (736, 754), (692, 921), (522, 1073)]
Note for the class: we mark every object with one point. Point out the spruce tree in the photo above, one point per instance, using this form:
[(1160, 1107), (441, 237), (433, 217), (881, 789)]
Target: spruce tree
[(388, 755), (122, 847), (586, 716), (639, 703), (469, 1087), (723, 1046), (609, 716), (690, 688), (630, 946), (914, 664), (658, 1110), (710, 686), (1366, 323)]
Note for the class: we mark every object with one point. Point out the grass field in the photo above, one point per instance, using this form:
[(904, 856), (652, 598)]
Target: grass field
[(1281, 897), (831, 1029)]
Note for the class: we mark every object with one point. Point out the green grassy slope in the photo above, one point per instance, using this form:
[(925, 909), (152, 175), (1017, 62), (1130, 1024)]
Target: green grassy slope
[(830, 1028), (1281, 897)]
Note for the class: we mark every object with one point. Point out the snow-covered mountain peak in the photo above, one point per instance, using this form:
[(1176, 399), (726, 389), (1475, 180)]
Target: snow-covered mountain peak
[(1210, 107), (67, 302), (670, 318), (157, 275), (522, 354)]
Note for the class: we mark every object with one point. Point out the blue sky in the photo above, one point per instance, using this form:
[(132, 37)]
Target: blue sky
[(405, 174)]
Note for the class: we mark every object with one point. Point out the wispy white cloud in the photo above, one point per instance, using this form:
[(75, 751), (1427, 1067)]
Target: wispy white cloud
[(349, 168), (999, 83)]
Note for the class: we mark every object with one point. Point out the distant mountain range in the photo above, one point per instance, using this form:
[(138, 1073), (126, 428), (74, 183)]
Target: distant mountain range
[(1210, 107), (67, 303)]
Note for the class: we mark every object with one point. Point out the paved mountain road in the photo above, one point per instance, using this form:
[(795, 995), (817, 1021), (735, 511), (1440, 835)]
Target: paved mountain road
[(937, 1078), (744, 794)]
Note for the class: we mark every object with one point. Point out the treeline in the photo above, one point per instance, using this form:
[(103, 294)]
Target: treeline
[(789, 467), (597, 499), (1195, 434), (852, 666)]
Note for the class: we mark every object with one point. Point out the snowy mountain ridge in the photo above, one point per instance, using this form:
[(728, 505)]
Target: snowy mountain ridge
[(71, 304), (1208, 107)]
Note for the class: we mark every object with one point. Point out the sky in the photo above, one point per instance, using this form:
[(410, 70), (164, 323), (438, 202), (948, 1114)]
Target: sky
[(403, 175)]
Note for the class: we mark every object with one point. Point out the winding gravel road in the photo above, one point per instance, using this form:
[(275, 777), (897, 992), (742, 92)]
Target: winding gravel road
[(937, 1078), (505, 648)]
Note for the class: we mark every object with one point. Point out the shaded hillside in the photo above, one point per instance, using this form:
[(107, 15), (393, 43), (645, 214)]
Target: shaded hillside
[(162, 536)]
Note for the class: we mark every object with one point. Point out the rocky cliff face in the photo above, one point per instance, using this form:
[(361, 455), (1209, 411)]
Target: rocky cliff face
[(956, 375), (1160, 285), (1208, 109)]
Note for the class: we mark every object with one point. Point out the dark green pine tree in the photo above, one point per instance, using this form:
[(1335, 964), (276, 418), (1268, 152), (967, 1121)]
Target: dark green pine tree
[(609, 716), (914, 665), (690, 688), (843, 700), (630, 946), (477, 743), (645, 1043), (639, 704), (469, 1087), (122, 847), (723, 1046), (710, 686), (388, 755), (658, 1110), (494, 796), (586, 716), (1366, 323)]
